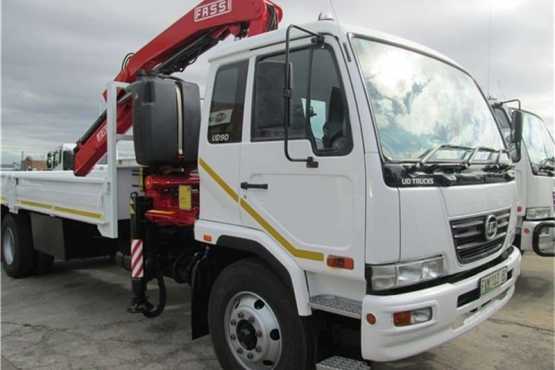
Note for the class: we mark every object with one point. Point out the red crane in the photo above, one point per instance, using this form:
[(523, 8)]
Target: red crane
[(172, 51)]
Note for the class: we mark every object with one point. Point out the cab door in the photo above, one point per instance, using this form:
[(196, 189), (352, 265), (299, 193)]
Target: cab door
[(312, 209)]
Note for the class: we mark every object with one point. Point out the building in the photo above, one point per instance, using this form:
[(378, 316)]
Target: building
[(29, 164)]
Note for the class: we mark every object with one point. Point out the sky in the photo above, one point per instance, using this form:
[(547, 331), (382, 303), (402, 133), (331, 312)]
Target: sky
[(58, 55)]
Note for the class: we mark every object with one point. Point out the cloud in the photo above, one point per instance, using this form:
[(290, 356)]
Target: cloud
[(58, 55)]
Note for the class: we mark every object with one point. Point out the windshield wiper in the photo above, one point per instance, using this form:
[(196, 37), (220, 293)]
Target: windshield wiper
[(545, 161), (425, 163), (431, 152), (493, 164), (479, 149), (545, 167)]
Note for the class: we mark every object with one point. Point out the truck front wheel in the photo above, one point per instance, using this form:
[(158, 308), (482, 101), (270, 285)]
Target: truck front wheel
[(254, 322), (17, 246)]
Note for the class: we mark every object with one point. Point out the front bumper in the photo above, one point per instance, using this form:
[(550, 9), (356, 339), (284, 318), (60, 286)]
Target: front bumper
[(385, 342)]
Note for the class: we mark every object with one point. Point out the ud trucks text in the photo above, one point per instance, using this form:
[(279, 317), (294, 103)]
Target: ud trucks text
[(341, 196), (535, 172)]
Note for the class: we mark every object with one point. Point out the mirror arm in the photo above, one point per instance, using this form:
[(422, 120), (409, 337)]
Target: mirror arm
[(500, 104), (287, 94)]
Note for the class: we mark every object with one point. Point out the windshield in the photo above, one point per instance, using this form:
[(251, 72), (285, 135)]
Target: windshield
[(420, 103), (538, 140)]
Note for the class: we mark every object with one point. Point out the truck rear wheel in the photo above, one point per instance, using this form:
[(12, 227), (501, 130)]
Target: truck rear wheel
[(254, 322), (17, 246)]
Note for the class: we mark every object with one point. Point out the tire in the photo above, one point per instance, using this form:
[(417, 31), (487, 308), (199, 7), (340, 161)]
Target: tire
[(18, 255), (249, 292), (43, 263)]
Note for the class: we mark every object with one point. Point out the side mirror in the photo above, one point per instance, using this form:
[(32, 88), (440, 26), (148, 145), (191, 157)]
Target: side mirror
[(287, 93), (517, 120), (543, 239)]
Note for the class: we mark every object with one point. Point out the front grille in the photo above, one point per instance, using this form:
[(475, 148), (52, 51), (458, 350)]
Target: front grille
[(469, 236)]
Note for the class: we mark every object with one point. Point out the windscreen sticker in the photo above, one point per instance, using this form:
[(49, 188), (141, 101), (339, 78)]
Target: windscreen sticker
[(220, 117)]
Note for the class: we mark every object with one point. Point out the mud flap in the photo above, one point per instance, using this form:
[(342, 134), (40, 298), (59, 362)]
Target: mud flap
[(202, 280)]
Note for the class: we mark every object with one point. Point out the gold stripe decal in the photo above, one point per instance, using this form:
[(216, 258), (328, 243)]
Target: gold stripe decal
[(79, 212), (310, 255), (70, 211), (228, 189), (299, 253), (34, 204)]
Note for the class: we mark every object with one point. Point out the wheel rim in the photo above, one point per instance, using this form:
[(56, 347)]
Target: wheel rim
[(253, 333), (8, 246)]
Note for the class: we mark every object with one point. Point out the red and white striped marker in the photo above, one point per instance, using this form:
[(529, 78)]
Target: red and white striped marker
[(137, 268)]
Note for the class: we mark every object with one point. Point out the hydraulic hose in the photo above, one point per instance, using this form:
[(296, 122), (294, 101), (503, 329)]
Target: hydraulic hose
[(157, 310)]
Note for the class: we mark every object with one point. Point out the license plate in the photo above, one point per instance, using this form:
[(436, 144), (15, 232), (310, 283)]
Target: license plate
[(492, 281)]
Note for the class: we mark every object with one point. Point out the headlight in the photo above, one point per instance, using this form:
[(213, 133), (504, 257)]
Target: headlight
[(539, 213), (408, 273)]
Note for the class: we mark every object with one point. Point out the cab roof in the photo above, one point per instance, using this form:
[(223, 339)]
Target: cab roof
[(324, 26)]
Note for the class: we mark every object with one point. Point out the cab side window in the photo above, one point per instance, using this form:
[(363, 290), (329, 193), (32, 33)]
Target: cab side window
[(228, 101), (318, 109)]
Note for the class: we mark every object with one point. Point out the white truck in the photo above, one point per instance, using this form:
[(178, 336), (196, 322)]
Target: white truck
[(535, 173), (351, 199), (61, 158)]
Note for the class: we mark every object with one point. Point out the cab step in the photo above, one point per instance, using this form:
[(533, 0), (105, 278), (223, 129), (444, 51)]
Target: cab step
[(342, 363), (337, 305)]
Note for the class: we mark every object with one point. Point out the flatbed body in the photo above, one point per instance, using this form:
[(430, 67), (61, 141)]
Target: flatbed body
[(85, 199)]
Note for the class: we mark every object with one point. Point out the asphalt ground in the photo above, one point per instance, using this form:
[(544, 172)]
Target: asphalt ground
[(75, 318)]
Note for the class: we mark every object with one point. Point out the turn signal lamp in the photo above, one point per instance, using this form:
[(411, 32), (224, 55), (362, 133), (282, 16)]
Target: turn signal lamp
[(341, 262), (406, 318)]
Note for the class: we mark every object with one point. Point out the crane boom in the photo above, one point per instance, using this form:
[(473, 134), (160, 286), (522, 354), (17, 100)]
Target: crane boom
[(172, 51)]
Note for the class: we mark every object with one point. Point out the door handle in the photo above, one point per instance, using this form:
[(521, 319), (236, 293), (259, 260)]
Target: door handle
[(246, 186)]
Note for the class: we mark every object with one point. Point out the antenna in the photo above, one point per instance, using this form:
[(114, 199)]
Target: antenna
[(500, 90), (333, 10), (490, 32)]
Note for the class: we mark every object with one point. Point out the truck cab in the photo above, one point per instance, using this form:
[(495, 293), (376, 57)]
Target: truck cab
[(535, 171), (389, 197), (60, 159)]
